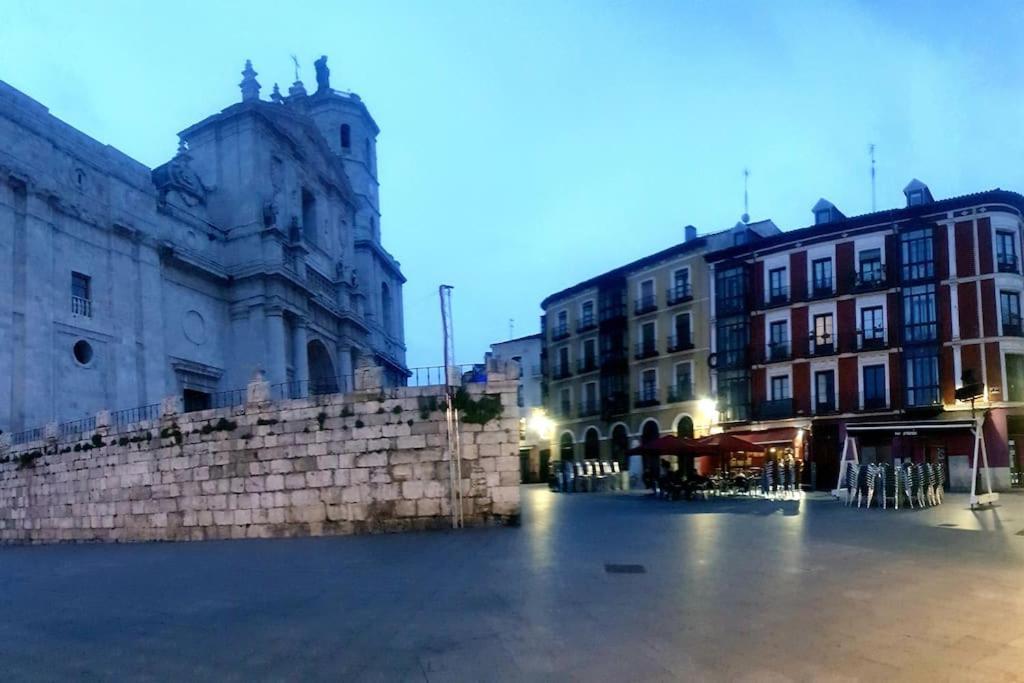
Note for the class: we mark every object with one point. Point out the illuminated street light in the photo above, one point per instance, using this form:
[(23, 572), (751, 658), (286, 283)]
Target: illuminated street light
[(540, 424)]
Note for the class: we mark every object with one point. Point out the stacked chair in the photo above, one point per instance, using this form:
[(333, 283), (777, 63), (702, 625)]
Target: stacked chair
[(912, 484)]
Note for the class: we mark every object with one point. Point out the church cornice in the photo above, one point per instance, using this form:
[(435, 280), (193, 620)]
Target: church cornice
[(383, 256)]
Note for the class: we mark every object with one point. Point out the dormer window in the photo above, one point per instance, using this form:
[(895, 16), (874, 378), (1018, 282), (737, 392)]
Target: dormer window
[(825, 212), (917, 193)]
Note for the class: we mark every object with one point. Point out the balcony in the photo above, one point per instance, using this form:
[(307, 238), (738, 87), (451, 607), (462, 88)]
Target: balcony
[(586, 323), (779, 296), (923, 397), (871, 340), (870, 277), (778, 351), (646, 397), (679, 343), (616, 403), (920, 333), (586, 364), (82, 307), (1007, 263), (1012, 325), (561, 371), (776, 409), (613, 357), (681, 391), (679, 294), (730, 305), (823, 345), (645, 304), (559, 332), (874, 403), (589, 408), (825, 407), (565, 410), (645, 349), (821, 288), (612, 312)]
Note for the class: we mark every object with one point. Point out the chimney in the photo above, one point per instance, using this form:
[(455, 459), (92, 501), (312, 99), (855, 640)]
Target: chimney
[(691, 233)]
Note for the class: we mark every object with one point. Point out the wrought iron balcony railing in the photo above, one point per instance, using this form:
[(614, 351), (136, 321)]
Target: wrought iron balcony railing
[(681, 391), (874, 403), (679, 294), (586, 323), (679, 343), (822, 288), (776, 296), (1007, 263), (778, 351), (559, 332), (775, 409), (822, 345), (871, 276), (561, 371), (923, 396), (868, 340), (586, 364), (645, 304), (589, 408), (647, 396), (645, 349), (1012, 325)]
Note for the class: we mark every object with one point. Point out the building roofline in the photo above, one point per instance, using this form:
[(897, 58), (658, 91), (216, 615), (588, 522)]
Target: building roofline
[(621, 271), (993, 196), (517, 339)]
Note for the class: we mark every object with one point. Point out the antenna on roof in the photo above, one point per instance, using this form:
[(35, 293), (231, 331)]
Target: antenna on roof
[(871, 151), (746, 203)]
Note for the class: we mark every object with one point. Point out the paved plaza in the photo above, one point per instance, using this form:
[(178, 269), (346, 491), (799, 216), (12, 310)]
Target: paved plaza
[(719, 590)]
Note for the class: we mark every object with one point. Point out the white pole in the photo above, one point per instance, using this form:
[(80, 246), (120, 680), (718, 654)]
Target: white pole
[(842, 467)]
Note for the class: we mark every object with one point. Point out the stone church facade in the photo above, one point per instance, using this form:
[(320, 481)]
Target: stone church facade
[(257, 247)]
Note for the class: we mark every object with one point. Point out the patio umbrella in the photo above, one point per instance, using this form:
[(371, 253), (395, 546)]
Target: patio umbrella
[(665, 445)]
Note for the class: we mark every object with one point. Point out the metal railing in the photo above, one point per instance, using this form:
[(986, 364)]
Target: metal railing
[(586, 364), (779, 351), (647, 396), (777, 296), (822, 345), (589, 408), (1007, 263), (775, 409), (586, 323), (821, 288), (646, 349), (681, 391), (678, 342), (871, 339), (129, 416), (871, 276), (923, 396), (679, 293), (645, 304), (76, 428), (559, 332)]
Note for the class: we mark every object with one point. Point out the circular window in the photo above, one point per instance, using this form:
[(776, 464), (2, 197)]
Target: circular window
[(83, 352)]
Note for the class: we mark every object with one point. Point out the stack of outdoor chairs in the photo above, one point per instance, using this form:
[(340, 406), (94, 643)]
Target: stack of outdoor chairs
[(911, 484)]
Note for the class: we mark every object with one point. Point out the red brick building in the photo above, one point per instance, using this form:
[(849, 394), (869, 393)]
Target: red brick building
[(876, 318)]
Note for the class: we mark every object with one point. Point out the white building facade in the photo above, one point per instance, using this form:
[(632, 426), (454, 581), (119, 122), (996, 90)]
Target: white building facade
[(256, 248)]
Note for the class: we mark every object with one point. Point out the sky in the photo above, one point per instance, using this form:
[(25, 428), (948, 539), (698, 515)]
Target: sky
[(526, 146)]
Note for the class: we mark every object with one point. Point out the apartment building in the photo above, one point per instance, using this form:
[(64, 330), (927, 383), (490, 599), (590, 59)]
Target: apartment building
[(877, 319), (625, 354)]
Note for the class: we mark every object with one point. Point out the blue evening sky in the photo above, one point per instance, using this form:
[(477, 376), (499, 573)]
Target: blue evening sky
[(528, 145)]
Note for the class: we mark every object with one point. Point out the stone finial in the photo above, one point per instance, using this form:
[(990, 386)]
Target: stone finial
[(276, 96), (297, 89), (250, 86), (258, 390)]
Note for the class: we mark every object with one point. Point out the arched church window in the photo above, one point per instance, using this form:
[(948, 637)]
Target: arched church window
[(346, 136)]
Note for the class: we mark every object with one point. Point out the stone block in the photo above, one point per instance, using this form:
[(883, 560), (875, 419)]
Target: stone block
[(274, 482), (412, 490), (428, 507)]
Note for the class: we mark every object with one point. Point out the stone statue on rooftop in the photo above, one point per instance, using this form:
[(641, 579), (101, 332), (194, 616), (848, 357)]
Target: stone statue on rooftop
[(323, 74)]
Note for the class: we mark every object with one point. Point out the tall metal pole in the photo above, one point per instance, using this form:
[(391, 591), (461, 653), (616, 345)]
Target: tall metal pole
[(451, 380)]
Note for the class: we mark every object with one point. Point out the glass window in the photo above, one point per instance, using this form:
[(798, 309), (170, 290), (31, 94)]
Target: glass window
[(648, 385), (777, 332), (821, 270), (922, 377), (80, 286), (823, 216), (590, 394), (587, 312), (917, 253), (872, 322), (589, 353), (823, 330), (777, 283), (563, 358), (1009, 306), (874, 385), (681, 280), (1006, 251), (684, 375), (647, 289), (565, 401), (870, 269), (647, 334), (825, 389), (919, 314), (730, 290), (780, 388), (563, 319), (683, 329)]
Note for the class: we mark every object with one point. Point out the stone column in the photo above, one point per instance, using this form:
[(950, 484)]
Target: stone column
[(301, 360), (275, 360), (345, 369)]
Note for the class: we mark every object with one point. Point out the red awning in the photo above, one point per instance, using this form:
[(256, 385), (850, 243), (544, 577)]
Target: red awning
[(727, 443)]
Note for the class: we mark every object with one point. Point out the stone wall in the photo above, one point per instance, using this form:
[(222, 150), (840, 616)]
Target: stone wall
[(369, 461)]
